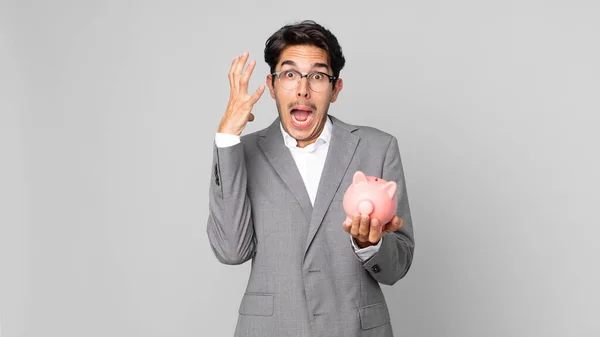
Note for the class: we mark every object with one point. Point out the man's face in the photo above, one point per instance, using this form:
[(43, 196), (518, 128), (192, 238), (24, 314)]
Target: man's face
[(303, 111)]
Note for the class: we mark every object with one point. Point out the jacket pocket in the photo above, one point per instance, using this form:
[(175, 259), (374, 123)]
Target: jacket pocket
[(256, 304), (373, 315)]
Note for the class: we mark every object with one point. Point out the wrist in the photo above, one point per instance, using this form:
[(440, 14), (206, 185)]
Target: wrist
[(365, 244), (228, 131), (227, 127)]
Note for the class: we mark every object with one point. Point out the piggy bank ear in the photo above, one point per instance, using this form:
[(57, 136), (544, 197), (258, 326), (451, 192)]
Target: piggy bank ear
[(359, 177), (390, 188)]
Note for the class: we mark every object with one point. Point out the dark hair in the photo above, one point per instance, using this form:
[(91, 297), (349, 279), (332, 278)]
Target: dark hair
[(306, 32)]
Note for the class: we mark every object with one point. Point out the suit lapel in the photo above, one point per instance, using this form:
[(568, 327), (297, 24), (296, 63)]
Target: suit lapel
[(339, 155), (272, 145)]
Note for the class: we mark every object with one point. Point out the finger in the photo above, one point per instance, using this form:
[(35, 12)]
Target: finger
[(347, 225), (400, 223), (387, 228), (256, 96), (246, 76), (395, 224), (363, 232), (240, 65), (355, 226), (389, 225), (375, 232), (232, 84)]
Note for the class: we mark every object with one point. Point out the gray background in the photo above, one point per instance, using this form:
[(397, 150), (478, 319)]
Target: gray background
[(108, 112)]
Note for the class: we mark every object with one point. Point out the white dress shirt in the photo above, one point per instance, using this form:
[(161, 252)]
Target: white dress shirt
[(310, 161)]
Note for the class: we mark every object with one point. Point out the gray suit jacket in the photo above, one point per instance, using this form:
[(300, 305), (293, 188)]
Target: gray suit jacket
[(306, 279)]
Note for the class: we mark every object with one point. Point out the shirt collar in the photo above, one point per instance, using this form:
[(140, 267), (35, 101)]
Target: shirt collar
[(324, 137)]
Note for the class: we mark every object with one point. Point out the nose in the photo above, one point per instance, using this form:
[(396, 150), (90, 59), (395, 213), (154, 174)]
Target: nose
[(303, 90)]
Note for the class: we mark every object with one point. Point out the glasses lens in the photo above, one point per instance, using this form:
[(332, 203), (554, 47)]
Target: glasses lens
[(318, 82), (289, 79)]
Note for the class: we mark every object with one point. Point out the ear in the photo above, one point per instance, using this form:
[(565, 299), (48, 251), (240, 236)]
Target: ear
[(390, 188), (270, 85), (359, 177), (339, 85)]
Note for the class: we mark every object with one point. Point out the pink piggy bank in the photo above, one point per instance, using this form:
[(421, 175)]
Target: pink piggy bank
[(371, 195)]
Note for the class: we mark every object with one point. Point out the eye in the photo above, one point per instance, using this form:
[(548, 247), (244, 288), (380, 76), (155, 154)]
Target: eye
[(289, 74), (318, 76)]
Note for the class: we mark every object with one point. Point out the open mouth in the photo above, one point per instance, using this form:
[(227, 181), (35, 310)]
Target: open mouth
[(302, 117)]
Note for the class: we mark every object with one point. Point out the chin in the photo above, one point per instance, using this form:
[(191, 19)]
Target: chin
[(297, 134), (303, 135)]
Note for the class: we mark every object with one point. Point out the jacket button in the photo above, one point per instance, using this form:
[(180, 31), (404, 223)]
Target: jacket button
[(376, 268)]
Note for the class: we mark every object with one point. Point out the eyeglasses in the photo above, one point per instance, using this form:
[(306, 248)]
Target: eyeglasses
[(317, 81)]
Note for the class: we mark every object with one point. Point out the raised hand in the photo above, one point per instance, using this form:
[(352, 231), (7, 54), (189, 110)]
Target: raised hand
[(238, 112)]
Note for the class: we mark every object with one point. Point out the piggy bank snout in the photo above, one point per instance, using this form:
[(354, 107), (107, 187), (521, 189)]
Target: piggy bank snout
[(365, 207)]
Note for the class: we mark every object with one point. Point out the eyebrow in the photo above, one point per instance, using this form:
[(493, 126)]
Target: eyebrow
[(315, 65)]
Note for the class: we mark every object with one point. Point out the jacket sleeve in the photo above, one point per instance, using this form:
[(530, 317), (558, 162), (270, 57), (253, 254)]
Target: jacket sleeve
[(394, 258), (230, 228)]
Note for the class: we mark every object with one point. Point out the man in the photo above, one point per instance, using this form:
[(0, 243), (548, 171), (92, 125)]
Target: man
[(276, 198)]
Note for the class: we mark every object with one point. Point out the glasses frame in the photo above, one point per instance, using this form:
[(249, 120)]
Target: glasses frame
[(278, 74)]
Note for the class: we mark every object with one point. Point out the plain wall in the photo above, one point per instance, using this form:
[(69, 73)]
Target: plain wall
[(14, 182), (108, 113)]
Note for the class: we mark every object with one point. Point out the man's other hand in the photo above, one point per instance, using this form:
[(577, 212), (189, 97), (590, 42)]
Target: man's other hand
[(367, 232), (238, 112)]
